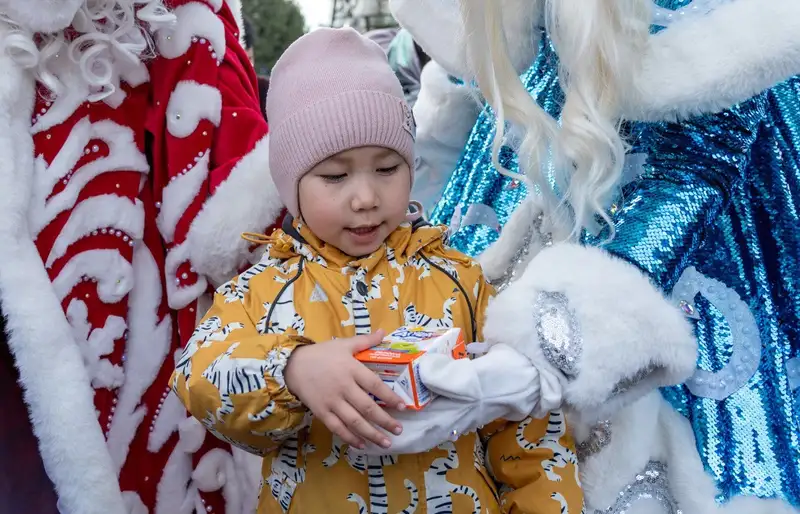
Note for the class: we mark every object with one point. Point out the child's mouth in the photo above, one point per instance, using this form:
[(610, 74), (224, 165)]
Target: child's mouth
[(364, 232)]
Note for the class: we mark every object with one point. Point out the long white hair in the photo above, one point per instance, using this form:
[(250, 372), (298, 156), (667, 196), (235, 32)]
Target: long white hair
[(599, 44), (105, 35)]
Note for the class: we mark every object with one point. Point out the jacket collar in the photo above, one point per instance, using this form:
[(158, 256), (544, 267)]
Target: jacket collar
[(408, 239)]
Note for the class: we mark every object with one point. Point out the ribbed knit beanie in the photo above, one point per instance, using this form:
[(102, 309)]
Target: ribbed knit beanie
[(332, 90)]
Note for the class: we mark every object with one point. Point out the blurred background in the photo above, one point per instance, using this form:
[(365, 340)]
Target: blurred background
[(275, 24)]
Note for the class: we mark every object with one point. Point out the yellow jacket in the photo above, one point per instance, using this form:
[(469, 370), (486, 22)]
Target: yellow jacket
[(231, 378)]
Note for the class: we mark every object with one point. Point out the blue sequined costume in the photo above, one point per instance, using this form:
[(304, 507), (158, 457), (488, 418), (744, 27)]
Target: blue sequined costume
[(715, 216)]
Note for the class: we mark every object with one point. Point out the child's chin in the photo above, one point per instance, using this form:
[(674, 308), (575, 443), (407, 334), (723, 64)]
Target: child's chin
[(361, 250)]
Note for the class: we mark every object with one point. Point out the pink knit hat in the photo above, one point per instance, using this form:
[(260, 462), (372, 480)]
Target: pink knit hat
[(332, 90)]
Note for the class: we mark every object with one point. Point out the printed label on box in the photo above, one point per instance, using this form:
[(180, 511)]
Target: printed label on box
[(396, 360)]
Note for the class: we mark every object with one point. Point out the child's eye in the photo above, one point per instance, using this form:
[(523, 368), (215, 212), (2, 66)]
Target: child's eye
[(388, 171), (334, 178)]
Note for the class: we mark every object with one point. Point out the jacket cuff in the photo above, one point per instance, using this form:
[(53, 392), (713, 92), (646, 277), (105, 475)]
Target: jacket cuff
[(599, 323), (286, 347)]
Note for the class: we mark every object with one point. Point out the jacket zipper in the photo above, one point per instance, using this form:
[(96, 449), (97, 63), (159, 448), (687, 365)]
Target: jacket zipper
[(466, 297), (283, 290)]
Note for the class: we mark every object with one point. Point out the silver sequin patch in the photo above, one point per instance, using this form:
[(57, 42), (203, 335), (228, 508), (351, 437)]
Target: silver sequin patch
[(559, 333), (627, 383), (599, 438), (651, 484), (520, 256)]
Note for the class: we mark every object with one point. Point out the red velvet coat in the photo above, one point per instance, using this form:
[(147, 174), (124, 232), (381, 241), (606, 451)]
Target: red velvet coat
[(135, 209)]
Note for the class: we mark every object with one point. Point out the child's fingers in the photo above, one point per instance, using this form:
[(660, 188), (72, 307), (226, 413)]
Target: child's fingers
[(365, 342), (336, 426), (372, 412), (360, 427), (371, 383)]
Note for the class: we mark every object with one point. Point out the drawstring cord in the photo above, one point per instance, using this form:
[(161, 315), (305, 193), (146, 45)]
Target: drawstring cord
[(257, 239)]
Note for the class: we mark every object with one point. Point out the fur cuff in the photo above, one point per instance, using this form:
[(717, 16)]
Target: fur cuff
[(718, 60), (600, 322), (445, 113), (216, 247)]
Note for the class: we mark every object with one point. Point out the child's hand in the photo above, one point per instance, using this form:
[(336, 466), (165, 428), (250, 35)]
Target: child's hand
[(334, 386)]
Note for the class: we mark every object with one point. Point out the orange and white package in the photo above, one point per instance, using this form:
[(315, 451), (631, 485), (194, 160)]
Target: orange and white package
[(396, 360)]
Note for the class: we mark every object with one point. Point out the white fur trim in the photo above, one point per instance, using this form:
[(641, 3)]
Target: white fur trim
[(691, 485), (189, 103), (47, 176), (710, 63), (95, 213), (96, 344), (634, 441), (236, 8), (166, 422), (215, 471), (112, 271), (134, 503), (248, 475), (146, 351), (174, 494), (626, 326), (445, 113), (247, 201), (76, 91), (194, 20), (123, 154), (41, 15), (54, 379), (179, 295), (499, 257), (179, 194), (650, 429), (171, 491)]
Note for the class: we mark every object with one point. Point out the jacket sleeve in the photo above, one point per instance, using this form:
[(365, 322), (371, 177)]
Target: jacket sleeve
[(608, 304), (230, 376), (209, 149), (445, 113), (534, 465)]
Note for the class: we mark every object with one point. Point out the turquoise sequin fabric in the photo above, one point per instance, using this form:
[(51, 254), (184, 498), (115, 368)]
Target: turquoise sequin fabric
[(715, 212)]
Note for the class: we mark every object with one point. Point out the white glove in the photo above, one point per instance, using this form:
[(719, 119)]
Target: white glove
[(503, 384), (598, 323)]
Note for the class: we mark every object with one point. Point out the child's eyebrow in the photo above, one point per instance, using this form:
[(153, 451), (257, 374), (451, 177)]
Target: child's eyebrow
[(343, 158)]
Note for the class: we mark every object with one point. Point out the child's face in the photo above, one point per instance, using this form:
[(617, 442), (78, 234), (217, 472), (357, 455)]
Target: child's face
[(356, 198)]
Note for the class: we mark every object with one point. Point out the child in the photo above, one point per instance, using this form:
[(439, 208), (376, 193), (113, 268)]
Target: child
[(277, 346)]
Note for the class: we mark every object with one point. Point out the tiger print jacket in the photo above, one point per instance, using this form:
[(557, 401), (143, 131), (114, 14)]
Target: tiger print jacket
[(230, 377)]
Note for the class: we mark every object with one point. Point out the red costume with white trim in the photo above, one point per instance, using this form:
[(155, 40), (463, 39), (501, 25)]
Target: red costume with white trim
[(134, 195)]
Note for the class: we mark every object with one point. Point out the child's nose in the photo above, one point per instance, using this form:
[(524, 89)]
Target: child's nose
[(365, 198)]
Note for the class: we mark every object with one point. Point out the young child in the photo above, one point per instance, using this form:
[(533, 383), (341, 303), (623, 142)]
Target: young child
[(271, 367)]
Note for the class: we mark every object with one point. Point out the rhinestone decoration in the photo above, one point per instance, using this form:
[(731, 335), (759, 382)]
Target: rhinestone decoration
[(559, 333), (599, 438), (651, 484), (626, 384), (746, 341), (520, 255), (717, 192), (687, 308)]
